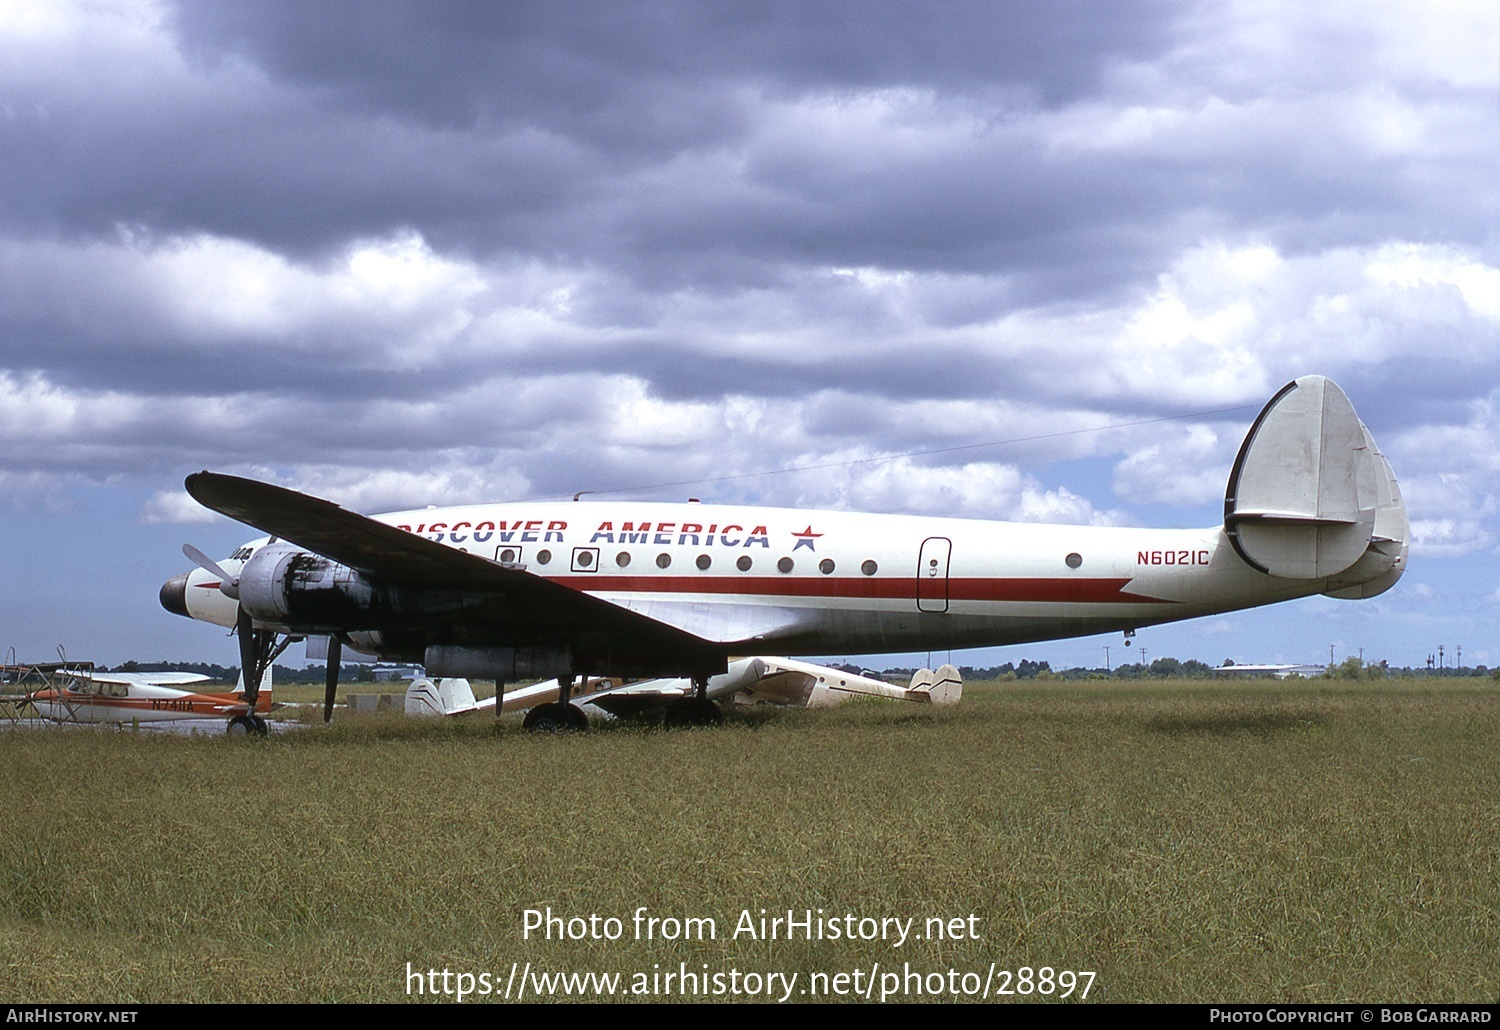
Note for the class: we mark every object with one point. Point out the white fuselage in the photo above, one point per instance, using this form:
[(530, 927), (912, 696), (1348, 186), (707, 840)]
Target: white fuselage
[(645, 589), (817, 582), (113, 702)]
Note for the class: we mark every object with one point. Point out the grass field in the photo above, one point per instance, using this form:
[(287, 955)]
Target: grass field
[(1306, 841)]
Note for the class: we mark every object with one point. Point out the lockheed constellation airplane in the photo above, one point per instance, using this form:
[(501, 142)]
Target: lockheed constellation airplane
[(646, 589)]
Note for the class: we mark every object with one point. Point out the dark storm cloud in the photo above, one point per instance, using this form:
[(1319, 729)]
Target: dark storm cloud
[(593, 70), (513, 127), (694, 206)]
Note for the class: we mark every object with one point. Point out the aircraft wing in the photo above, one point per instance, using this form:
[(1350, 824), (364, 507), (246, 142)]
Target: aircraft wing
[(756, 680), (151, 679), (397, 556)]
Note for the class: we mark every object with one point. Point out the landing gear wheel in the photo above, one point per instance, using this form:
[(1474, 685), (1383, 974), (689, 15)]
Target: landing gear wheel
[(247, 726), (576, 719), (557, 717), (693, 711)]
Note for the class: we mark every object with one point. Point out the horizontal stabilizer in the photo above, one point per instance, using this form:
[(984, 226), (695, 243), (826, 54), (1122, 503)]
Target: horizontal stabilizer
[(1308, 485)]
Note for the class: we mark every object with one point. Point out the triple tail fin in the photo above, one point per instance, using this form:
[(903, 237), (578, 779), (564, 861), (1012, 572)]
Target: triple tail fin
[(1312, 497)]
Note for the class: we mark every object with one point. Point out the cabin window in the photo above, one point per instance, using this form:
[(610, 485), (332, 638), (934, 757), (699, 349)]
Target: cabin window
[(826, 566), (869, 568), (622, 559), (543, 556), (785, 565), (744, 563), (704, 561), (1074, 560), (663, 560)]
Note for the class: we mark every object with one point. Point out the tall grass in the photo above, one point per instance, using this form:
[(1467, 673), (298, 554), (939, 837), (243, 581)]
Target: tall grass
[(1245, 842)]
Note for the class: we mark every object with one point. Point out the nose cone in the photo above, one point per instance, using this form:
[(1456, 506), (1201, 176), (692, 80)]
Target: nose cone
[(174, 595)]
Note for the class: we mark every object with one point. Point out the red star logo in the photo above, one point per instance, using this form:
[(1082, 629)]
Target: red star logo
[(807, 538)]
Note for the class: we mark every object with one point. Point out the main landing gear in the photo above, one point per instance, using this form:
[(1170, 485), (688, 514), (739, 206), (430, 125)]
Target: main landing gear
[(556, 717), (563, 716), (560, 716), (697, 710)]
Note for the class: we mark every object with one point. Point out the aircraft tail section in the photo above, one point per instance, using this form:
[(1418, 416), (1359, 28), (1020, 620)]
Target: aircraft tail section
[(1311, 497), (444, 697), (943, 686), (263, 699)]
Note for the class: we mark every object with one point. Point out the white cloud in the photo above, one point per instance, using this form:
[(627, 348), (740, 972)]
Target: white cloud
[(1190, 466), (176, 507), (1448, 538)]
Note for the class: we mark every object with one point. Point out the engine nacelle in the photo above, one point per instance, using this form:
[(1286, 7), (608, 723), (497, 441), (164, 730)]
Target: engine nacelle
[(503, 663), (285, 587)]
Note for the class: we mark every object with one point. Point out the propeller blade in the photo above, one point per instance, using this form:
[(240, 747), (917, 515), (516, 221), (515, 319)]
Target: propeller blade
[(335, 656), (228, 585)]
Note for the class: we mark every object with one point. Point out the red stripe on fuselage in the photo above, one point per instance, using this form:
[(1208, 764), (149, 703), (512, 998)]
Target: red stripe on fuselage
[(1040, 589)]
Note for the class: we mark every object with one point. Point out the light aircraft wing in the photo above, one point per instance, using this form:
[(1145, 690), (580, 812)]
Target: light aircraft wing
[(151, 679), (756, 680), (398, 556)]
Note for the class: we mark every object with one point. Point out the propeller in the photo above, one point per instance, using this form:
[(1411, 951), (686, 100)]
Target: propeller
[(229, 585), (250, 639), (335, 656)]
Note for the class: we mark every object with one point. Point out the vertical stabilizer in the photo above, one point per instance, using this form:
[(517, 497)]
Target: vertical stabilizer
[(1310, 495)]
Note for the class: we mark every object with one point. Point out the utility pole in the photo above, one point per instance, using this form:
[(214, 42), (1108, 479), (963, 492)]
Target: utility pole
[(1106, 658)]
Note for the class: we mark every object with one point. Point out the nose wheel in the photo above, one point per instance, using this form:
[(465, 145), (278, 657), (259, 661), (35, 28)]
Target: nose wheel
[(248, 726)]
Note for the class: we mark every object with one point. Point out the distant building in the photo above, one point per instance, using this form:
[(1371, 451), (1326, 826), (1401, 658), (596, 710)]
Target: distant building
[(388, 673), (1280, 672)]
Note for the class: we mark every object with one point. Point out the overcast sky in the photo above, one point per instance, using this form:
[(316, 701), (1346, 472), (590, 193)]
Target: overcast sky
[(400, 252)]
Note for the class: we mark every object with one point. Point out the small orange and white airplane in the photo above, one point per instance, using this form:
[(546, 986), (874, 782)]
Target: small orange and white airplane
[(644, 589), (76, 692)]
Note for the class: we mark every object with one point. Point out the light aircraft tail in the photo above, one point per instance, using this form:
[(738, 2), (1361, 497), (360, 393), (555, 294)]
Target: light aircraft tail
[(942, 687), (1312, 497), (445, 697), (263, 700)]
